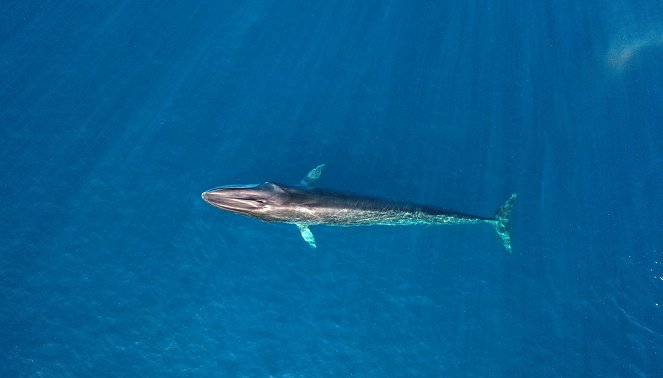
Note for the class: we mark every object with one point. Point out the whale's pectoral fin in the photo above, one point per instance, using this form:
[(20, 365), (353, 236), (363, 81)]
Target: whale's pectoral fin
[(313, 175), (307, 235)]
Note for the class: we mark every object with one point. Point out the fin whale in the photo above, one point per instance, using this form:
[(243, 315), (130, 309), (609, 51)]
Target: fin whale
[(304, 205)]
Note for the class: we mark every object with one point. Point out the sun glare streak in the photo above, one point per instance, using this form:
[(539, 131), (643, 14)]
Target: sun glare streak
[(624, 51)]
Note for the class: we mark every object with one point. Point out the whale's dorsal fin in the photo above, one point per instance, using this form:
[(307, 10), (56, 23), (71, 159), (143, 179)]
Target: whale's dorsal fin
[(307, 234), (313, 175)]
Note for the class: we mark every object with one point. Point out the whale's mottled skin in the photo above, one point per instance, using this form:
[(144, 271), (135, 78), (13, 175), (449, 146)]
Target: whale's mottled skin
[(305, 206)]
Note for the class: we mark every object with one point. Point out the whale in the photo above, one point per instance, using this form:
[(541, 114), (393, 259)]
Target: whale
[(305, 205)]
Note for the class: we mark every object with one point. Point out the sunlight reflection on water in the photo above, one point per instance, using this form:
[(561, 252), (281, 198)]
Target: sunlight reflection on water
[(623, 51)]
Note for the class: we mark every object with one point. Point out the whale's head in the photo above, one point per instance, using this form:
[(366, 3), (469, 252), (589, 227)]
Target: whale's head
[(256, 200)]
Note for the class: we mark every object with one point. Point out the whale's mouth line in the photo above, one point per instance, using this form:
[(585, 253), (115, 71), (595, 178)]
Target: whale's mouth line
[(236, 186), (231, 201)]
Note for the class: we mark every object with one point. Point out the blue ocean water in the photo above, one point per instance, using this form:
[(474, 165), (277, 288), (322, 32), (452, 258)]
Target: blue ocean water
[(115, 116)]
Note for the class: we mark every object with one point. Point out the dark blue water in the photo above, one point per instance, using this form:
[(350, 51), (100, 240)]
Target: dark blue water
[(114, 116)]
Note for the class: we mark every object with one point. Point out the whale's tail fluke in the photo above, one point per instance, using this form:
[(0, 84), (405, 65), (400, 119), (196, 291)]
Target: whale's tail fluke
[(501, 222)]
